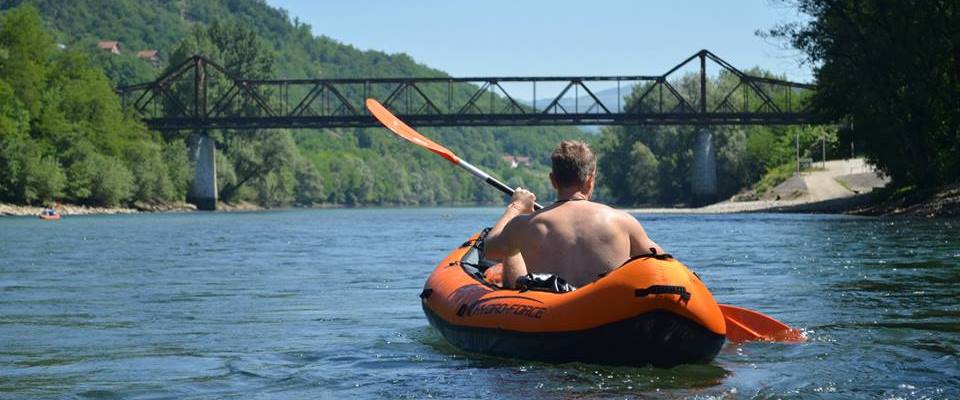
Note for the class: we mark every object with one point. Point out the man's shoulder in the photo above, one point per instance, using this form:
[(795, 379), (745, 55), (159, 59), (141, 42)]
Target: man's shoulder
[(600, 207), (612, 214)]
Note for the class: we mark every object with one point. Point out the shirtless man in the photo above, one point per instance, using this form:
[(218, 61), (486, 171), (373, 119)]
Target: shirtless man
[(574, 238)]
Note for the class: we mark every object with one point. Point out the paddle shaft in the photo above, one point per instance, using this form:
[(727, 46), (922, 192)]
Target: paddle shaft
[(477, 172)]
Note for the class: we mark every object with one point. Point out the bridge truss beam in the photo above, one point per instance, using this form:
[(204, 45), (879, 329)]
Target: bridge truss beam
[(199, 94)]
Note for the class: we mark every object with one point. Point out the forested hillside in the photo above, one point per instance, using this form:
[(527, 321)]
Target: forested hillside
[(63, 135), (277, 167)]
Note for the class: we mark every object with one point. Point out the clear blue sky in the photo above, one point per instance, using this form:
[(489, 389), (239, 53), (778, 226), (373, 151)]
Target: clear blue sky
[(538, 38)]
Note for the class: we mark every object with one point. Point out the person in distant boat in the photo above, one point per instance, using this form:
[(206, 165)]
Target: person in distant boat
[(574, 238)]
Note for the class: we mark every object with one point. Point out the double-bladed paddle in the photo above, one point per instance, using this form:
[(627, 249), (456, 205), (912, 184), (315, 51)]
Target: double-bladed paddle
[(742, 324)]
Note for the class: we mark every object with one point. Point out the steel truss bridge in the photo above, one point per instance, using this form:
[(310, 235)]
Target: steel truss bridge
[(200, 94)]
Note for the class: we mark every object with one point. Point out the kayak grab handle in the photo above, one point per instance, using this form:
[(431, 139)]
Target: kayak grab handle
[(664, 289)]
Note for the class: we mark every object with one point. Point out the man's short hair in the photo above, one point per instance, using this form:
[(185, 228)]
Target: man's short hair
[(572, 162)]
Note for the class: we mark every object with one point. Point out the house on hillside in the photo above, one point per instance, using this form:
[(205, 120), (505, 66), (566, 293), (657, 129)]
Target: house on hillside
[(111, 46), (149, 56), (517, 161)]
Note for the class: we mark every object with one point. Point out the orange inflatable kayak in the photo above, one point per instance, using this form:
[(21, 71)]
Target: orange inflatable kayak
[(650, 310)]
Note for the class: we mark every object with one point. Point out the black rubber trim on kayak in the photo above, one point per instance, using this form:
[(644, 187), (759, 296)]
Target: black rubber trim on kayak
[(661, 256), (664, 289), (658, 338), (425, 294), (652, 254)]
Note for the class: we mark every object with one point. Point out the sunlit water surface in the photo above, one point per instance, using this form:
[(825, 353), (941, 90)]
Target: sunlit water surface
[(323, 303)]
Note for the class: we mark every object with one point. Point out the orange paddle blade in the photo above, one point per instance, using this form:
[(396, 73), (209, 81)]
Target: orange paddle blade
[(403, 130), (746, 325)]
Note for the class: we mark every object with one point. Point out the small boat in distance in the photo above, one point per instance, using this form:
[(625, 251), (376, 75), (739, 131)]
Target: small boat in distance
[(49, 214)]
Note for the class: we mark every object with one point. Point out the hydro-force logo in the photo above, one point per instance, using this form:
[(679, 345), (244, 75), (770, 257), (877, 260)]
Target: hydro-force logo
[(485, 307)]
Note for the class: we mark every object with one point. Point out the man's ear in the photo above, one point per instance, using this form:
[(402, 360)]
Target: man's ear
[(553, 181), (591, 183)]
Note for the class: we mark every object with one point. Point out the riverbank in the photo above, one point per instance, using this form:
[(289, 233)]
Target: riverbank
[(941, 203)]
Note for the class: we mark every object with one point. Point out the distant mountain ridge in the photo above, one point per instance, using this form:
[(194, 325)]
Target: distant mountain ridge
[(609, 97), (612, 98)]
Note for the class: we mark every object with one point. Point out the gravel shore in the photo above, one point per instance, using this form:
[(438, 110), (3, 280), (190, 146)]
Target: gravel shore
[(72, 209)]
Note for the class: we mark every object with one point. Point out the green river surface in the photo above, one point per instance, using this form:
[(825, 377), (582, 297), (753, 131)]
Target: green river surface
[(324, 304)]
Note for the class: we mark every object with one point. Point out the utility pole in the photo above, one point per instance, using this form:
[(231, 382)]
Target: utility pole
[(823, 142), (798, 152)]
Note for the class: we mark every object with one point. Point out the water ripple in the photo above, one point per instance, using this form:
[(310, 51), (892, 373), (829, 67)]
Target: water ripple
[(323, 303)]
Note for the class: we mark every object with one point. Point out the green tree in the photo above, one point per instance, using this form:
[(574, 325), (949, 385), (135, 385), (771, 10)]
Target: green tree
[(891, 72), (25, 50), (642, 174)]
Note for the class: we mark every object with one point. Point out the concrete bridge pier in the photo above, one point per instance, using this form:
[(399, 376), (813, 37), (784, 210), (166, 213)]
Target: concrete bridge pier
[(203, 189), (704, 172)]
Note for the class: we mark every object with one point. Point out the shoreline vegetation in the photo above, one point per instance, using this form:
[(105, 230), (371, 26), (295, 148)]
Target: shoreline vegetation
[(944, 203)]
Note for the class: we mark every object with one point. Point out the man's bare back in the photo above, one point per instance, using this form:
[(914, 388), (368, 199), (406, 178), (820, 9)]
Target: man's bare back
[(574, 238), (577, 240)]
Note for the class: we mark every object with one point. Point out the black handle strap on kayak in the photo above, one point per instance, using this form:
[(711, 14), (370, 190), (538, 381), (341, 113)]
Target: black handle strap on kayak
[(664, 289), (652, 254)]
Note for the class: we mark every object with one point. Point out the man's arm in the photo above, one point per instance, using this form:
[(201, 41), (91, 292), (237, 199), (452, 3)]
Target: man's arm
[(640, 243), (502, 241)]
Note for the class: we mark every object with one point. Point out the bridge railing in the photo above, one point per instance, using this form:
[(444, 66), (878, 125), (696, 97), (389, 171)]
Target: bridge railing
[(200, 94)]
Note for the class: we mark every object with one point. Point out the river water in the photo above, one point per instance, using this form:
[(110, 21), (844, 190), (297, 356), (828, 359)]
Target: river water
[(323, 304)]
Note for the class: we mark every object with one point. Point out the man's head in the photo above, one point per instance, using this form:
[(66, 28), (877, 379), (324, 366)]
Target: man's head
[(574, 166)]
